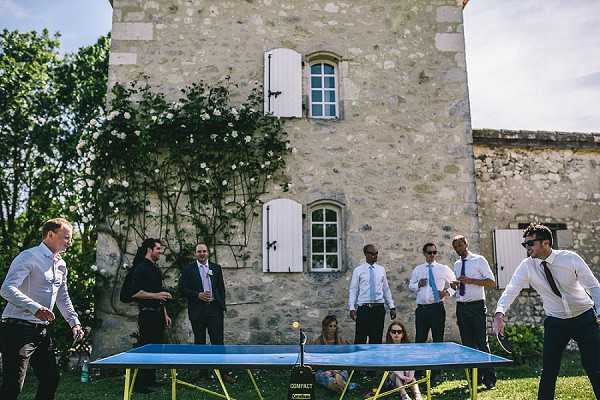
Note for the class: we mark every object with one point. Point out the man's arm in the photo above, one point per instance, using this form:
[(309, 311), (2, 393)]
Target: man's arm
[(18, 271), (519, 280), (387, 296), (413, 284), (488, 279), (586, 278), (353, 294), (65, 306)]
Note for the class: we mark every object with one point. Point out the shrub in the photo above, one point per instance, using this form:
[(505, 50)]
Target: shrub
[(527, 343)]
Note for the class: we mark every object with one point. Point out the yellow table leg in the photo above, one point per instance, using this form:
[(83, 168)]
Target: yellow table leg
[(347, 383), (255, 385), (474, 382), (173, 384), (218, 373), (127, 383), (376, 395), (428, 376), (132, 381)]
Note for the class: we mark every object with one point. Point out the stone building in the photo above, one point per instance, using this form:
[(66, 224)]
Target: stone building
[(376, 97)]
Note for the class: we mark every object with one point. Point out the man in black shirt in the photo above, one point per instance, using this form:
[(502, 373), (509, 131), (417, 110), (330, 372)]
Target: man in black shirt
[(148, 292)]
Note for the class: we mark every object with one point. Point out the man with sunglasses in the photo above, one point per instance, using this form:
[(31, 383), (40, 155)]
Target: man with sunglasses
[(563, 281), (474, 275), (36, 281), (369, 294), (431, 281)]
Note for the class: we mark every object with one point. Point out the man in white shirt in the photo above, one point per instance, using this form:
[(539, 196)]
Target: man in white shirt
[(368, 296), (474, 275), (563, 280), (431, 281)]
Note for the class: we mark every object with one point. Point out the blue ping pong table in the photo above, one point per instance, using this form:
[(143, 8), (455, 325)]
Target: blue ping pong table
[(382, 357)]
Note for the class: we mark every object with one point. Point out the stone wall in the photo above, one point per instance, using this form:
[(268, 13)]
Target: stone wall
[(401, 156), (547, 177)]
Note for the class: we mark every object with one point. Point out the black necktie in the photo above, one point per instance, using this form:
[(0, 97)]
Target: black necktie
[(461, 287), (550, 279)]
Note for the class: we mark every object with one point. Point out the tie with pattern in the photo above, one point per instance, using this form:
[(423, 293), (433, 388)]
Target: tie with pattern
[(550, 279), (371, 284), (431, 280), (461, 287)]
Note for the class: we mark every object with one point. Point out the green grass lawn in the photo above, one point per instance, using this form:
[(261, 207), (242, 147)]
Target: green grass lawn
[(514, 383)]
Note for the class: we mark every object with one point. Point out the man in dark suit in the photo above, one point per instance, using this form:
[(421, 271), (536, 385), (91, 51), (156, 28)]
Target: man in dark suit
[(201, 283)]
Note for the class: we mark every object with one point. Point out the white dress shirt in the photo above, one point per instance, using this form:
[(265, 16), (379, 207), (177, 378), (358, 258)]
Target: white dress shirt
[(359, 287), (205, 273), (37, 278), (476, 267), (443, 276), (572, 277)]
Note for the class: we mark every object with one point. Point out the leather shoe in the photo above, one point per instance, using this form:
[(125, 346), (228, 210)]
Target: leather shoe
[(489, 385)]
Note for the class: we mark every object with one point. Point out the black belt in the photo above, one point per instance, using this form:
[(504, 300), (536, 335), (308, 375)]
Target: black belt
[(470, 303), (371, 305), (22, 322), (154, 309), (432, 305)]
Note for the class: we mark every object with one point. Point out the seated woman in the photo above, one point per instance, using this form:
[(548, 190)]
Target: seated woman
[(397, 334), (333, 379)]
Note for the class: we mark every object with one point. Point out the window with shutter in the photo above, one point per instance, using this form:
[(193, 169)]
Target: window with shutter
[(325, 238), (508, 253), (283, 83), (323, 93), (282, 236)]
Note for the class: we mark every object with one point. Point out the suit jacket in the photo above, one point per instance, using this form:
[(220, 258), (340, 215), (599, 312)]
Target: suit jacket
[(190, 285)]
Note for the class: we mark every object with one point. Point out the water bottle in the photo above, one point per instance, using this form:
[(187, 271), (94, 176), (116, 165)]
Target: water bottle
[(85, 373)]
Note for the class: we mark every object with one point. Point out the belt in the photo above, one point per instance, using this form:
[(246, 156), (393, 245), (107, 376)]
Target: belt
[(155, 309), (371, 305), (470, 303), (438, 304), (22, 322)]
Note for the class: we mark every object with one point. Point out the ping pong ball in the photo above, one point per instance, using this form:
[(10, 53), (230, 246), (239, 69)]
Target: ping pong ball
[(295, 325)]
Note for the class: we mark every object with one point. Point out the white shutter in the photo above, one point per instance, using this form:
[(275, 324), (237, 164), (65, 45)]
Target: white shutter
[(564, 239), (282, 236), (508, 253), (283, 79)]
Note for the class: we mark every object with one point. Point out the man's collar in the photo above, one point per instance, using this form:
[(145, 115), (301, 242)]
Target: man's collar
[(200, 264), (550, 258), (469, 255), (46, 250)]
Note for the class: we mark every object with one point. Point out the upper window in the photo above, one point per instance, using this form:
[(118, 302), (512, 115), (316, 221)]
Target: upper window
[(325, 239), (323, 90)]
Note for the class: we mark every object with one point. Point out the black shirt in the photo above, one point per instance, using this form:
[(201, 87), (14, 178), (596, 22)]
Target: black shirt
[(146, 276)]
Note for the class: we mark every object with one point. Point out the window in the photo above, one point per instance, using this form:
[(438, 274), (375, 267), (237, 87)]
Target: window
[(323, 91), (325, 238)]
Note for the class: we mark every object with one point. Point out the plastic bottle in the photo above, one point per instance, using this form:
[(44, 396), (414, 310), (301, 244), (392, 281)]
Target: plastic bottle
[(85, 373)]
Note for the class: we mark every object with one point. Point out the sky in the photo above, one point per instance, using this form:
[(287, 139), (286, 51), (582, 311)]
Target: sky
[(531, 64)]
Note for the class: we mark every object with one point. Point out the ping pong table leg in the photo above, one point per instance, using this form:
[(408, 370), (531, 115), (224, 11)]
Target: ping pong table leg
[(173, 384), (428, 376), (218, 373), (255, 385), (474, 383), (383, 378), (347, 384), (127, 383)]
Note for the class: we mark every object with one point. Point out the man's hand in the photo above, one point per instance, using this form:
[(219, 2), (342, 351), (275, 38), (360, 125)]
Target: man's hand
[(498, 324), (393, 313), (163, 296), (168, 321), (443, 294), (44, 314), (454, 284), (78, 333), (423, 282), (465, 279), (205, 296), (353, 315)]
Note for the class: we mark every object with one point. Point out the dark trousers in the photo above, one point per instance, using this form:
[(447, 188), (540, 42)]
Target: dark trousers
[(213, 324), (369, 324), (557, 333), (22, 344), (471, 319), (151, 326), (430, 317)]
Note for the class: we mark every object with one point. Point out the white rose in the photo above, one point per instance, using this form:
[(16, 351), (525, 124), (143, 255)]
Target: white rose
[(154, 118), (233, 167), (125, 184), (94, 268), (224, 183), (111, 204), (126, 115), (111, 181), (202, 165), (234, 134), (170, 116), (248, 139), (137, 133), (95, 135), (217, 112)]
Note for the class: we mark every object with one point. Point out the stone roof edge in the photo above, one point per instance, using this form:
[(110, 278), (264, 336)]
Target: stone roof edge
[(503, 137)]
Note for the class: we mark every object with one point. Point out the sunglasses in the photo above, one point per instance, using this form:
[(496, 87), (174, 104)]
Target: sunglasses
[(431, 253), (396, 331), (530, 243)]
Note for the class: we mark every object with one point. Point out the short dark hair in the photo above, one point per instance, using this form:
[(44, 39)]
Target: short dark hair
[(53, 225), (426, 245), (460, 238), (367, 247), (539, 231), (143, 249)]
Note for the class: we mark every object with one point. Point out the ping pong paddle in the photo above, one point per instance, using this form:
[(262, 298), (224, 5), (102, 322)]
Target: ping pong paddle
[(504, 343)]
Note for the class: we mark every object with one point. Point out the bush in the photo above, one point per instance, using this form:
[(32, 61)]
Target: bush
[(527, 343)]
